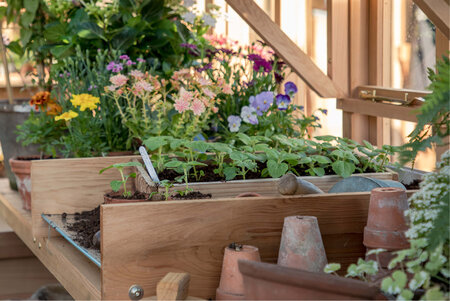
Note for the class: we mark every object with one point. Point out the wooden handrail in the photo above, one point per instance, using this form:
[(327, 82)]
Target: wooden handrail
[(292, 55), (438, 11)]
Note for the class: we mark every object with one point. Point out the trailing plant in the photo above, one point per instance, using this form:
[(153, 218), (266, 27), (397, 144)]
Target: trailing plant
[(116, 185), (433, 124)]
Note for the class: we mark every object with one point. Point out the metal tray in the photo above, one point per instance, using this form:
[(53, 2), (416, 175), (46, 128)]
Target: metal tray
[(56, 222)]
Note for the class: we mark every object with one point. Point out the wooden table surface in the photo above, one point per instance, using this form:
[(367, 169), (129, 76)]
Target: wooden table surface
[(76, 273)]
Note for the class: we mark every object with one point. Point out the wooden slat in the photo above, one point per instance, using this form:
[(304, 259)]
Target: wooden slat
[(76, 273), (438, 11), (370, 108), (12, 247), (142, 242), (285, 48), (69, 185)]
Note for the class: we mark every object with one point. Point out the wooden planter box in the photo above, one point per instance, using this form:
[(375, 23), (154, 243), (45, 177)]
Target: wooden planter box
[(141, 242)]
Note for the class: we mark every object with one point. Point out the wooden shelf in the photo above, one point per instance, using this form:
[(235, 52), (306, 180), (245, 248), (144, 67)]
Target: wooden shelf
[(77, 274)]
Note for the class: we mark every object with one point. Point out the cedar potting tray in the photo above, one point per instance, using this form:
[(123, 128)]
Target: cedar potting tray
[(57, 222)]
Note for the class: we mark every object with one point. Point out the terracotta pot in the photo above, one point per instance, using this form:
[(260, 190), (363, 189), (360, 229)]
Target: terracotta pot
[(112, 198), (248, 195), (231, 285), (22, 172), (263, 281), (301, 244), (386, 222)]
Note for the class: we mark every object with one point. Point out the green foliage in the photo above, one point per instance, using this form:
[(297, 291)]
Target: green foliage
[(117, 184), (433, 117)]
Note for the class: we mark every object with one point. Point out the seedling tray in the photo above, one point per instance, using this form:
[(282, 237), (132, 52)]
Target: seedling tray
[(60, 225)]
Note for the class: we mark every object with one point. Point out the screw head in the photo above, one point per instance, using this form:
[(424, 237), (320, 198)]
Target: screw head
[(136, 292), (39, 245), (34, 239)]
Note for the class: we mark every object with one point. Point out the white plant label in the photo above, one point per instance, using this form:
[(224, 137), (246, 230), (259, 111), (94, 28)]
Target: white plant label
[(148, 164)]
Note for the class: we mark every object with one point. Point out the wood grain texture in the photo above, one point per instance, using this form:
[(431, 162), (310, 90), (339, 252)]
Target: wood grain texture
[(438, 11), (189, 236), (174, 286), (300, 63), (370, 108), (69, 185), (76, 273), (12, 247)]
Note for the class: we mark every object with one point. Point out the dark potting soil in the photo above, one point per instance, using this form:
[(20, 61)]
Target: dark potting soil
[(135, 196), (86, 224), (32, 158), (210, 176), (193, 195), (414, 185)]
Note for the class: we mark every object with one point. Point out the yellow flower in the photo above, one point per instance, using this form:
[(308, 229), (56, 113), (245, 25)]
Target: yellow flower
[(85, 101), (67, 116)]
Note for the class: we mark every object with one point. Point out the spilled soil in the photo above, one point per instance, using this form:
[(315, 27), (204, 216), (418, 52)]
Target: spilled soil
[(86, 224)]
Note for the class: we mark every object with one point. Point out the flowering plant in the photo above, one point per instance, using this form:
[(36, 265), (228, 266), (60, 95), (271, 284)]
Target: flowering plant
[(149, 106), (272, 114), (40, 127)]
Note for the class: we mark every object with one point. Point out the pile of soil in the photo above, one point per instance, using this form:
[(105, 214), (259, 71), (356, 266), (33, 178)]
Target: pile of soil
[(135, 196), (193, 195), (86, 224)]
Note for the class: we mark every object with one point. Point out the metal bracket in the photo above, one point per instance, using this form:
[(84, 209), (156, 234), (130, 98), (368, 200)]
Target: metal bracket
[(372, 95)]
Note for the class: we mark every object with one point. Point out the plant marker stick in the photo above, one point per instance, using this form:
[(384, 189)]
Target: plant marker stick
[(148, 164)]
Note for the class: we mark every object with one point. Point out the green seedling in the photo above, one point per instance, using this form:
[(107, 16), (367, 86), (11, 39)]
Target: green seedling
[(117, 184), (166, 184)]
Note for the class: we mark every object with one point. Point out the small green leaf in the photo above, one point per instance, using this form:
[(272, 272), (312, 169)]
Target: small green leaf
[(343, 168), (331, 268), (406, 294), (154, 143), (434, 294), (276, 170), (321, 159), (126, 164), (319, 171), (230, 173), (173, 164), (115, 185)]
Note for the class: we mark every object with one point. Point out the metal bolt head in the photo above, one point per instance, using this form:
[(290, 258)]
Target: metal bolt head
[(136, 292), (39, 245), (34, 239)]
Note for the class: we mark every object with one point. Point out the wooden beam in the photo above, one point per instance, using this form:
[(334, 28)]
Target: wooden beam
[(339, 52), (392, 93), (300, 63), (375, 109), (438, 11)]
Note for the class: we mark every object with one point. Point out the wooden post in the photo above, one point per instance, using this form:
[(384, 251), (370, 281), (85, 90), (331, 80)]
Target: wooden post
[(338, 52), (379, 62), (438, 11)]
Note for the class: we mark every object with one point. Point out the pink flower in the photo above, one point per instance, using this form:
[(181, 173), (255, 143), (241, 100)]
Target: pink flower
[(185, 95), (181, 105), (136, 74), (209, 93), (143, 86), (227, 89), (204, 81), (215, 109), (197, 107), (110, 88), (118, 80)]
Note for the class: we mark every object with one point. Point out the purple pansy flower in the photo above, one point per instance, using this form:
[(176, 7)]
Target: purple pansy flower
[(261, 102), (278, 78), (234, 123), (324, 111), (283, 101), (290, 88), (124, 57), (248, 114)]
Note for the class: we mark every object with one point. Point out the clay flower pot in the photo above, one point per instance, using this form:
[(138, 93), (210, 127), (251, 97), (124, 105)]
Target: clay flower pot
[(386, 222), (301, 244), (263, 281), (114, 198), (22, 172), (231, 285)]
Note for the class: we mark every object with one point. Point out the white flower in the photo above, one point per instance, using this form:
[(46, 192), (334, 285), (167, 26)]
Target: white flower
[(188, 3), (248, 114), (209, 20), (189, 17)]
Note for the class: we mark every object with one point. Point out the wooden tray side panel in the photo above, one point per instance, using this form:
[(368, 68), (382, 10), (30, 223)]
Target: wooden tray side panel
[(142, 242), (69, 185)]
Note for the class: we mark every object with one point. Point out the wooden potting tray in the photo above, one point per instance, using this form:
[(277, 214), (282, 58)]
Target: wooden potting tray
[(74, 271)]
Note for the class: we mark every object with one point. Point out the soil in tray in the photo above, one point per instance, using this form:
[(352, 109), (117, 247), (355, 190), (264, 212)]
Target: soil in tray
[(193, 195), (86, 224), (210, 176), (135, 196)]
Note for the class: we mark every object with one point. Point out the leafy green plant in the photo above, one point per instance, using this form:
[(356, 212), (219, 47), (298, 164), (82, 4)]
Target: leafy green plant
[(116, 185), (166, 184), (185, 167)]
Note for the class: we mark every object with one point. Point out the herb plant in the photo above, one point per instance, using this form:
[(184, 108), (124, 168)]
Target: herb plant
[(116, 185)]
